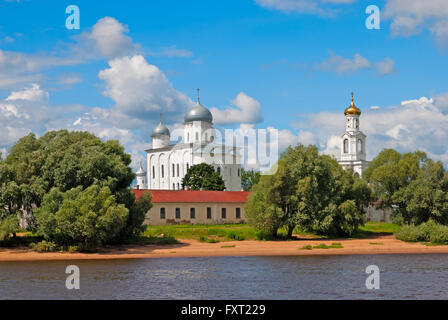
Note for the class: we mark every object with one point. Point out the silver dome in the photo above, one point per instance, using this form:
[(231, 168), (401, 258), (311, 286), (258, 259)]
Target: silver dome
[(161, 130), (198, 113)]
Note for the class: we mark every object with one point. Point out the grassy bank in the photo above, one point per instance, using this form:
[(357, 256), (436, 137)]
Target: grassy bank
[(238, 232)]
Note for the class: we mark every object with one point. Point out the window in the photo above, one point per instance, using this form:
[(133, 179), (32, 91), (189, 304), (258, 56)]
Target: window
[(178, 186), (218, 170), (197, 136), (177, 169), (359, 145), (192, 213), (163, 171), (174, 186), (206, 137), (188, 167), (177, 213), (209, 213), (239, 172), (174, 171), (162, 213), (153, 172), (238, 213), (223, 213), (345, 145), (188, 137), (230, 172)]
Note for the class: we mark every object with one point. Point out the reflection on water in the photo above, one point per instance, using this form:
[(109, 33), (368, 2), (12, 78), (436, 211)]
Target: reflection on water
[(299, 277)]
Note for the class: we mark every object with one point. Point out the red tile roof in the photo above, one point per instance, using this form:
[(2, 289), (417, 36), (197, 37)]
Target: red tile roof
[(167, 196)]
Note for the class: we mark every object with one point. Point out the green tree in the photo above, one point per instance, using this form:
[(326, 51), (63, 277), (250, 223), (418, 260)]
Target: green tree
[(309, 191), (66, 160), (203, 177), (249, 178), (413, 185), (85, 218)]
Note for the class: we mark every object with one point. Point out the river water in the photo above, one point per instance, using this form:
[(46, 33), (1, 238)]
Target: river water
[(298, 277)]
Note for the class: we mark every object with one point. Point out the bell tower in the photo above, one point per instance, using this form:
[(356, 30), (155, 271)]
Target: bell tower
[(353, 141)]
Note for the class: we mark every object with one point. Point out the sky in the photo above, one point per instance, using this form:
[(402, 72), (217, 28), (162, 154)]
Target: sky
[(284, 64)]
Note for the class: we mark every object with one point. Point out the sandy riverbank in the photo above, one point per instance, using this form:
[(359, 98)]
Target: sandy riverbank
[(191, 248)]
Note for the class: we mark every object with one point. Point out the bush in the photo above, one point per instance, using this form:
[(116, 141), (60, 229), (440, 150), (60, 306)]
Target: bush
[(409, 233), (86, 219), (44, 246), (8, 226), (428, 232), (233, 235), (263, 235), (439, 235)]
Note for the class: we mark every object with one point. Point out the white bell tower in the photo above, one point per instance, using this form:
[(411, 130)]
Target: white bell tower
[(353, 142)]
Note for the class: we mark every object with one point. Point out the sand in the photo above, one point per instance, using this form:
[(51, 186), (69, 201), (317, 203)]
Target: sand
[(191, 248)]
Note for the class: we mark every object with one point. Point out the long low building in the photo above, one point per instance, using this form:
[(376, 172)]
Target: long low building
[(195, 207)]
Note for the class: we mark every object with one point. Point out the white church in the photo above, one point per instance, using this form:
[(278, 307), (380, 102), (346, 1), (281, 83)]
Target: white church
[(167, 164), (353, 142)]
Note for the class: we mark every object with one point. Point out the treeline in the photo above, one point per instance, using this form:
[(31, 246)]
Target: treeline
[(71, 189), (313, 193)]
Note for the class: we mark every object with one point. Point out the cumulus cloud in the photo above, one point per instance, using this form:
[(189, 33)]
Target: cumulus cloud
[(320, 7), (141, 90), (341, 65), (410, 17), (418, 124), (35, 93), (108, 38), (245, 110)]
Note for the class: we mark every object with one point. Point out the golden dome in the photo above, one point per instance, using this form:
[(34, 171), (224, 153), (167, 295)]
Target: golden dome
[(352, 109)]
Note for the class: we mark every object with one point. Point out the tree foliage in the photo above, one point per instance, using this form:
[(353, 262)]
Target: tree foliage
[(66, 161), (249, 178), (203, 177), (309, 191), (411, 183)]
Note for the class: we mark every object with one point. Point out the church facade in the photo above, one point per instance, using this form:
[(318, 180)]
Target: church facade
[(168, 164), (353, 142)]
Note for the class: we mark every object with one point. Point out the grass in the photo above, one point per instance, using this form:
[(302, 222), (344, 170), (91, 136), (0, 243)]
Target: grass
[(204, 233), (240, 232), (232, 246), (376, 228), (334, 245), (376, 243)]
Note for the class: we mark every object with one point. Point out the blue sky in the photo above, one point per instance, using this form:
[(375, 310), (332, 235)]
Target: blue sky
[(288, 64)]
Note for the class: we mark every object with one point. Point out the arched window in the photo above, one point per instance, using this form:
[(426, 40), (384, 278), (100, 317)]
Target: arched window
[(360, 146), (345, 145)]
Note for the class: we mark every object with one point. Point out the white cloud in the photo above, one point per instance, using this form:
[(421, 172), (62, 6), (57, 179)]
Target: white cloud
[(35, 93), (142, 90), (109, 38), (320, 7), (418, 124), (410, 17), (247, 110), (341, 65)]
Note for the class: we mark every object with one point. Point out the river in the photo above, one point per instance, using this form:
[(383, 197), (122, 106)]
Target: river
[(298, 277)]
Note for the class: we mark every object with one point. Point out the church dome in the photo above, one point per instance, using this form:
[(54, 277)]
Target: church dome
[(198, 113), (352, 109), (160, 130), (140, 171)]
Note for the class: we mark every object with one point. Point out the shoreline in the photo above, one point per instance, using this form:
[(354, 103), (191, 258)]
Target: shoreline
[(386, 244)]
